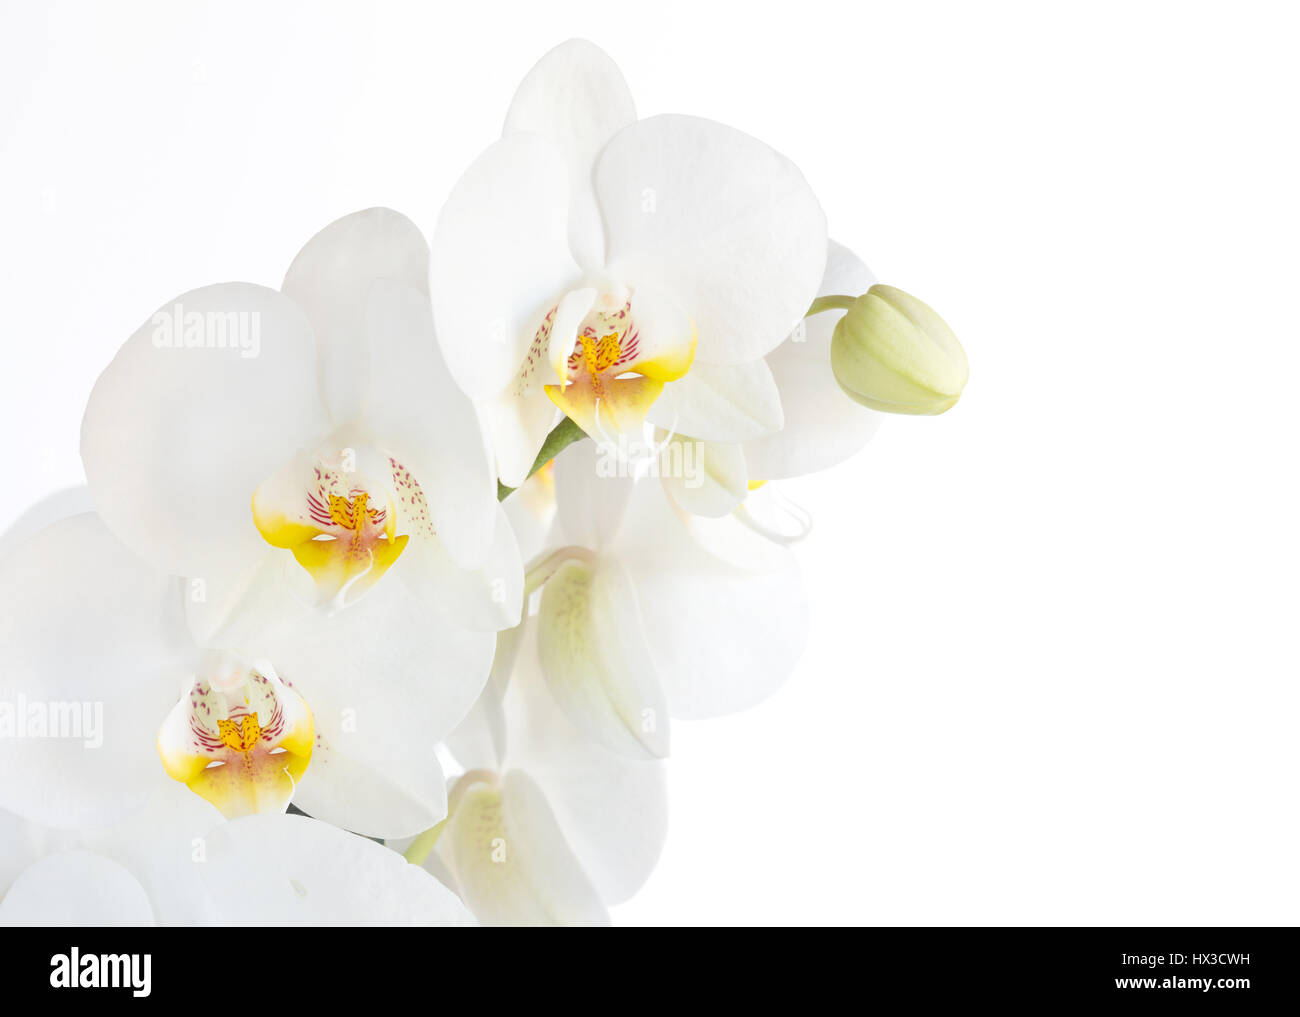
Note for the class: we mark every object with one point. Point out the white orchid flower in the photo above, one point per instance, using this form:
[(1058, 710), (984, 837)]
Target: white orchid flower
[(647, 614), (340, 713), (255, 441), (175, 862), (291, 580), (545, 826), (620, 270)]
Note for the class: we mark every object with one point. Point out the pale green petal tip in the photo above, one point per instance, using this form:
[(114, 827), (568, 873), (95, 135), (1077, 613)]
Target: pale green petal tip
[(893, 353)]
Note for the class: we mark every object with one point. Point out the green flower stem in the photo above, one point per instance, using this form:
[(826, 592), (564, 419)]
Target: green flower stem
[(422, 846), (566, 432), (834, 303)]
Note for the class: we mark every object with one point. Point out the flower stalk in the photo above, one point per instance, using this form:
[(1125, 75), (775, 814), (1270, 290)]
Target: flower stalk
[(564, 434)]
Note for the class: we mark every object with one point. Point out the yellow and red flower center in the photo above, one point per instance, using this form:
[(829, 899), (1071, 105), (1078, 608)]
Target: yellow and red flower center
[(605, 380), (241, 737), (341, 524)]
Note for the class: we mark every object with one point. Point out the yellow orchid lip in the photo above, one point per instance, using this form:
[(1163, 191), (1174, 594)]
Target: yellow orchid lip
[(609, 379), (241, 738), (340, 525)]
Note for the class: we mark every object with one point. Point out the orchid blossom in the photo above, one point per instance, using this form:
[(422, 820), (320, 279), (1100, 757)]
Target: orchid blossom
[(304, 707), (291, 583), (298, 444), (545, 827), (617, 270), (646, 614)]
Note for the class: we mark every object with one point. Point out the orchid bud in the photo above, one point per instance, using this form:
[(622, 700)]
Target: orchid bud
[(893, 353)]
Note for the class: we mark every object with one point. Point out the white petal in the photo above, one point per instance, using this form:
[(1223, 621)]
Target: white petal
[(367, 790), (718, 219), (500, 260), (487, 598), (756, 537), (613, 810), (479, 741), (722, 638), (569, 312), (435, 864), (76, 888), (23, 842), (730, 403), (164, 846), (237, 596), (531, 510), (291, 870), (846, 275), (822, 427), (71, 501), (512, 862), (386, 679), (93, 643), (598, 666), (175, 440), (577, 96), (590, 494), (706, 478), (331, 279), (418, 414)]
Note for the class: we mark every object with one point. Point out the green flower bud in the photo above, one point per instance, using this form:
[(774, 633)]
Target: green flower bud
[(893, 353)]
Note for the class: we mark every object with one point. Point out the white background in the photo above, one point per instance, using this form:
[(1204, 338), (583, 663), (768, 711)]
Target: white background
[(1052, 677)]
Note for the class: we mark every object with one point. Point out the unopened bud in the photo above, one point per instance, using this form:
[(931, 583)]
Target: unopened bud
[(893, 353)]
